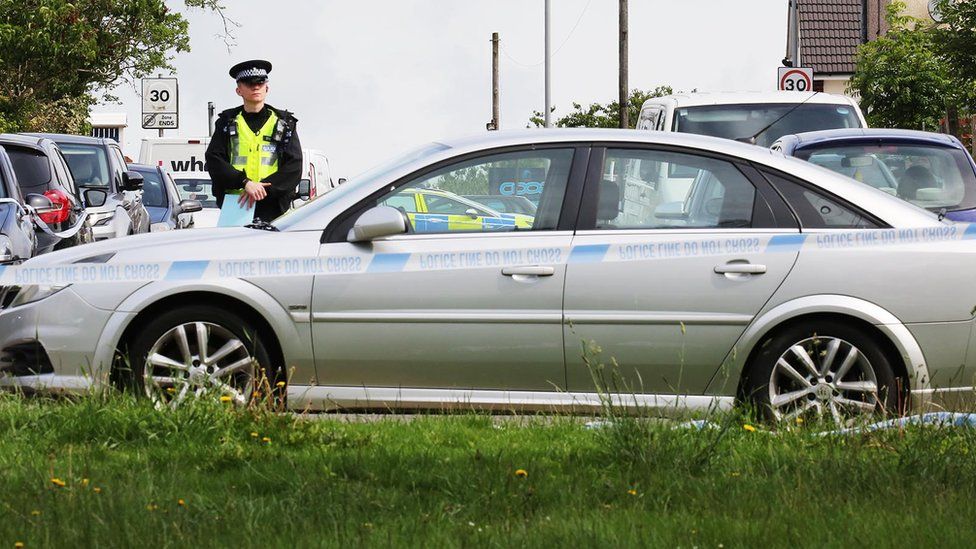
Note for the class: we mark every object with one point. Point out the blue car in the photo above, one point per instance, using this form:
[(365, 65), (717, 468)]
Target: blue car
[(931, 170)]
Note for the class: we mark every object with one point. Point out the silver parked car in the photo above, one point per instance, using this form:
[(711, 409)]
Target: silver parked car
[(770, 280)]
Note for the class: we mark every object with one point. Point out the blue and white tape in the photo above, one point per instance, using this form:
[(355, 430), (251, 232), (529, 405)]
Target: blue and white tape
[(666, 247)]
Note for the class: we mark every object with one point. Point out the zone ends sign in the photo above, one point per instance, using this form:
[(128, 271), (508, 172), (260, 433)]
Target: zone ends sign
[(160, 103), (795, 79)]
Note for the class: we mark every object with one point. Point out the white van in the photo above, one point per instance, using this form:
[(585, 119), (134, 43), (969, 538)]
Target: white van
[(184, 157), (316, 175), (755, 117)]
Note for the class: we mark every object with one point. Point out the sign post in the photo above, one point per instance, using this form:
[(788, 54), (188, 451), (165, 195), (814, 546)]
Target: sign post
[(795, 79), (160, 104)]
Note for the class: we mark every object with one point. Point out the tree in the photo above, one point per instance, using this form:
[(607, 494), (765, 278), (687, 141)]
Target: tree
[(602, 116), (57, 57), (902, 78), (956, 36)]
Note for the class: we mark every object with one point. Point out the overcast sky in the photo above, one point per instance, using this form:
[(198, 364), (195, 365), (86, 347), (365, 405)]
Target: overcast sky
[(370, 78)]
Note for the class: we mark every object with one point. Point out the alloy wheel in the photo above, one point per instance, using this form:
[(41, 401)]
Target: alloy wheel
[(825, 376), (196, 359)]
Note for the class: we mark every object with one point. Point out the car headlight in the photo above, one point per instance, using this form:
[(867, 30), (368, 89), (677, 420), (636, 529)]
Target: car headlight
[(35, 292), (101, 219), (6, 250)]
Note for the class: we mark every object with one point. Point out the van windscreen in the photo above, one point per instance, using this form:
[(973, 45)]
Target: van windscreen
[(745, 121)]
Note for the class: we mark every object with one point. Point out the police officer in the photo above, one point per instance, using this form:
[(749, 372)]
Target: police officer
[(255, 147)]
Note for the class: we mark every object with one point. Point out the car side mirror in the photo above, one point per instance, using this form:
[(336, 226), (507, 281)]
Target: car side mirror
[(40, 203), (472, 213), (190, 206), (95, 198), (671, 210), (377, 222), (304, 189), (132, 181)]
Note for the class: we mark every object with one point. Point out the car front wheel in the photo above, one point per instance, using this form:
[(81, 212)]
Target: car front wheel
[(831, 370), (198, 352)]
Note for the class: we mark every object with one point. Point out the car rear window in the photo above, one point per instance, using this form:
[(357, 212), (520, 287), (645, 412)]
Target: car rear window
[(32, 169), (766, 122), (929, 176), (88, 163)]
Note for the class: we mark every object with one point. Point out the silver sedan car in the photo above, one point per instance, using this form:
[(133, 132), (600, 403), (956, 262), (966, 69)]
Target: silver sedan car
[(681, 271)]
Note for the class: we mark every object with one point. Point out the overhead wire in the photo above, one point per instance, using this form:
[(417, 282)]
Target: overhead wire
[(553, 54)]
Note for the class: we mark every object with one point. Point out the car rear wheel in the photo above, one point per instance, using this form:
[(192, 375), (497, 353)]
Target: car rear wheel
[(834, 370), (198, 352)]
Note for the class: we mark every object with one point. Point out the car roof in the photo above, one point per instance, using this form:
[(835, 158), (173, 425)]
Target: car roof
[(891, 209), (143, 167), (24, 140), (74, 139), (741, 98), (792, 142)]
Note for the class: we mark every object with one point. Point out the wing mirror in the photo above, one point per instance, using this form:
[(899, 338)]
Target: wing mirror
[(377, 222), (95, 198), (40, 203), (472, 213), (190, 206), (132, 181), (304, 189)]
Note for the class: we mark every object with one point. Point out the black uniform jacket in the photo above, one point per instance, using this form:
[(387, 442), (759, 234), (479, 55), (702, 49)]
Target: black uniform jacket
[(225, 177)]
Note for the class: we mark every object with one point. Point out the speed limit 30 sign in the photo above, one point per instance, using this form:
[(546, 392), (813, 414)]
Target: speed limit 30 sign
[(795, 79), (160, 103)]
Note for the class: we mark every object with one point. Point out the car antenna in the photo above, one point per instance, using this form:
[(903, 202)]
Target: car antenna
[(942, 214), (752, 139)]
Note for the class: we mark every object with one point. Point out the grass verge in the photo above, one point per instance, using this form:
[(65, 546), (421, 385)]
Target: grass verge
[(112, 472)]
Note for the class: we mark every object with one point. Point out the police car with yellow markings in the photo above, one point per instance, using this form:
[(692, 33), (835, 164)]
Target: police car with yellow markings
[(435, 210)]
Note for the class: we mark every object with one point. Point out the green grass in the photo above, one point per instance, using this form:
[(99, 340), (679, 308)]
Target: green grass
[(450, 481)]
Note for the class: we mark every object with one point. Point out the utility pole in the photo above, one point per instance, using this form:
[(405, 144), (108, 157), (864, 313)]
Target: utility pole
[(210, 114), (160, 129), (548, 88), (624, 95), (495, 121)]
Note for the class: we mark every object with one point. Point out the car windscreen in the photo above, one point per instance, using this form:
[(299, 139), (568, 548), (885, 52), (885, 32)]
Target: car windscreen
[(294, 216), (153, 189), (197, 189), (32, 169), (929, 176), (88, 163), (767, 122)]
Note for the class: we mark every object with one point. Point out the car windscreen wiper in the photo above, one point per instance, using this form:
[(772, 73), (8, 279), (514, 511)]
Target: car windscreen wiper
[(262, 225), (752, 139)]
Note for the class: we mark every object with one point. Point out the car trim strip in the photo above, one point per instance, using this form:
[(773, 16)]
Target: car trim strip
[(430, 317), (631, 318)]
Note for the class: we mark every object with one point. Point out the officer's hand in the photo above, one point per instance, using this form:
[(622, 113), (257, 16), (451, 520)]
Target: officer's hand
[(253, 192)]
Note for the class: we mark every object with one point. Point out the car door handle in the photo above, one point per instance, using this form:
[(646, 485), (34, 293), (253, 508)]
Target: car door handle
[(529, 270), (740, 268)]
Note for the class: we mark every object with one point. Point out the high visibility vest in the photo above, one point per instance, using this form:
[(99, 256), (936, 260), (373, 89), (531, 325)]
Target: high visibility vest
[(255, 154)]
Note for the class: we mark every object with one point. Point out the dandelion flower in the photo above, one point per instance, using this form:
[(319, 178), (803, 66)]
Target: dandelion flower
[(181, 503), (254, 434), (266, 440), (521, 473), (749, 428), (280, 384), (58, 482), (152, 507), (84, 482), (36, 513), (799, 420), (632, 492), (97, 490), (18, 545), (225, 398)]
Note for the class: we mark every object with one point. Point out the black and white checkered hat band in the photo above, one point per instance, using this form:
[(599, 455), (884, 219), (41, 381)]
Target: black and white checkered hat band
[(252, 73)]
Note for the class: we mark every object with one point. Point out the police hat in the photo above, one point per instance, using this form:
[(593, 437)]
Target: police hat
[(252, 72)]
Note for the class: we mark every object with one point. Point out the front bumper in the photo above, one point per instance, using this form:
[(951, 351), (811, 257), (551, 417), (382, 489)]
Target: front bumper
[(52, 344)]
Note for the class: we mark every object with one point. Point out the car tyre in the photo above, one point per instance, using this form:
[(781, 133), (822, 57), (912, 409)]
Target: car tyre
[(200, 351), (833, 370)]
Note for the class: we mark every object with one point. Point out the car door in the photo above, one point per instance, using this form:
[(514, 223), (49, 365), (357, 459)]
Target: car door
[(658, 292), (461, 307)]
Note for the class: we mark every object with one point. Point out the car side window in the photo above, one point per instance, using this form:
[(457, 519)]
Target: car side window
[(816, 211), (540, 176), (648, 189), (119, 162), (64, 172)]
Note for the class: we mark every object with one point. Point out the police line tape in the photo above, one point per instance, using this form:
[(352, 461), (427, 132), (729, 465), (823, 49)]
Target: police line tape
[(666, 247)]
